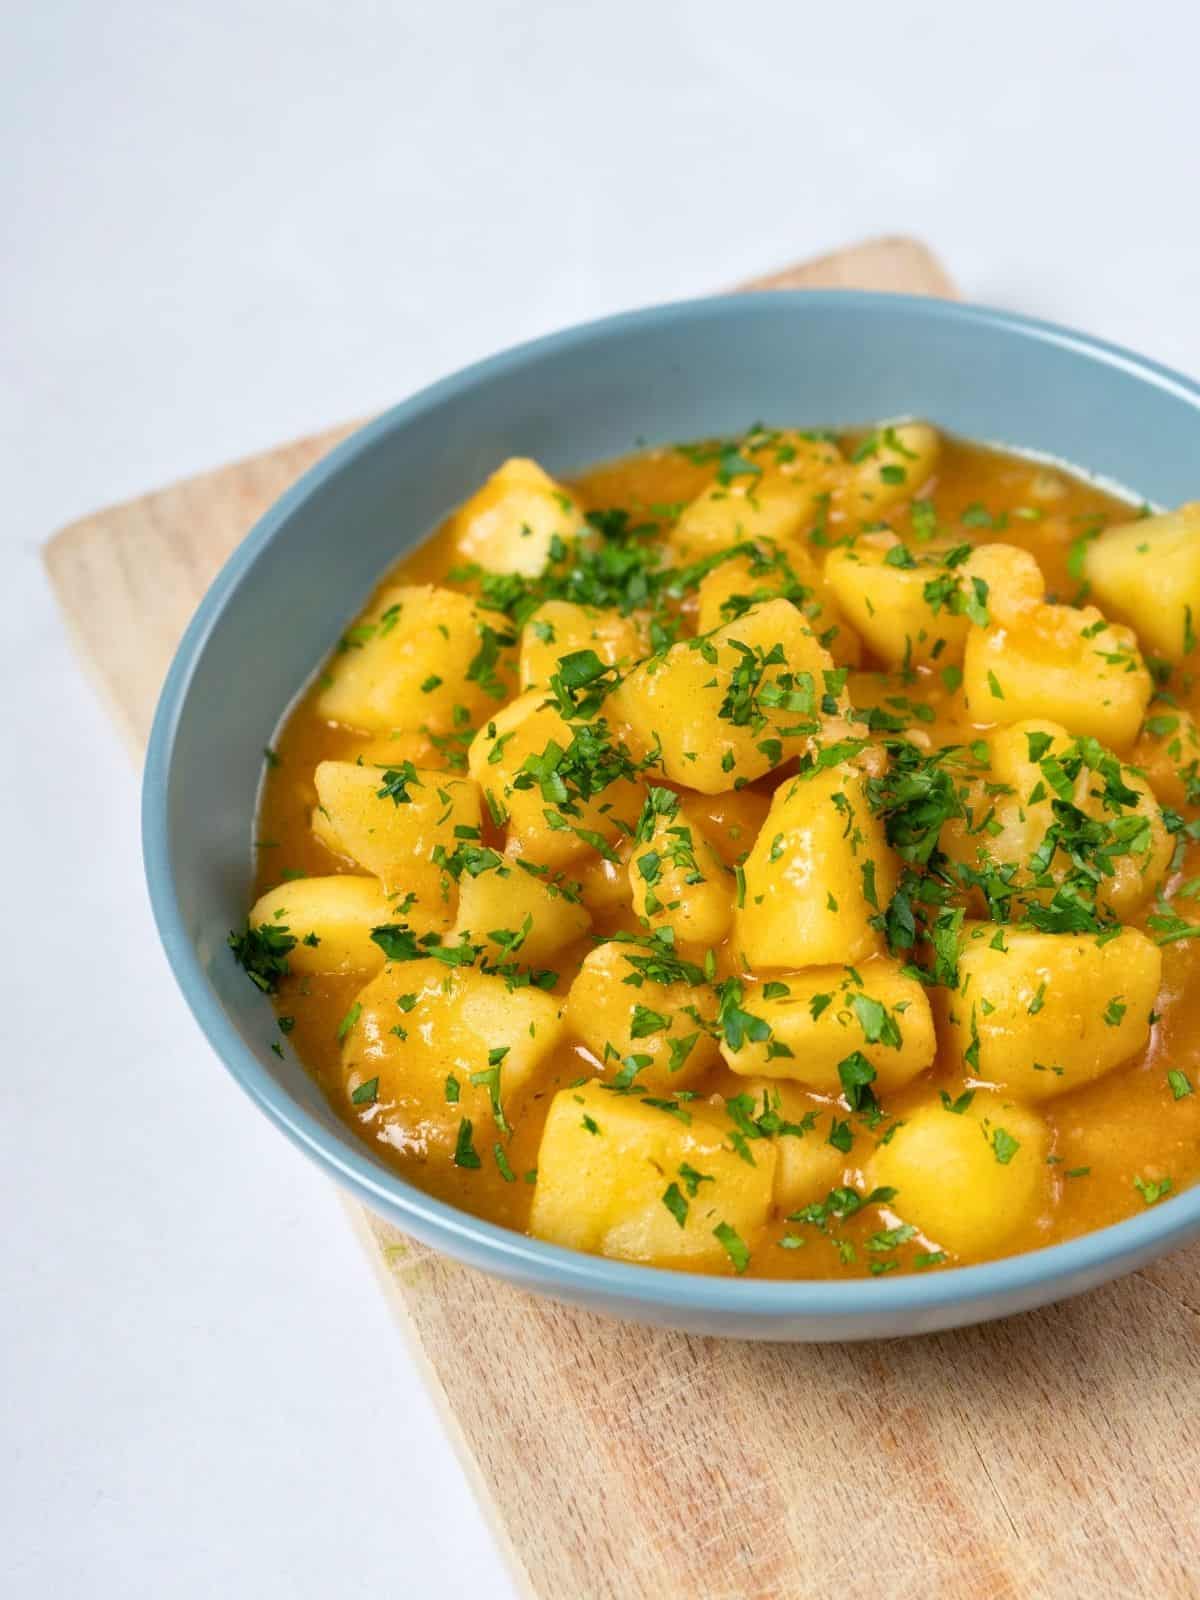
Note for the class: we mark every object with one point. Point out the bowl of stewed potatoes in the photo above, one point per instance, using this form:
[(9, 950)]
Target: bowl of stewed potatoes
[(700, 815)]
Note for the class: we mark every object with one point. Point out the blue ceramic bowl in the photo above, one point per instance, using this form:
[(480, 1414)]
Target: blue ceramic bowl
[(674, 372)]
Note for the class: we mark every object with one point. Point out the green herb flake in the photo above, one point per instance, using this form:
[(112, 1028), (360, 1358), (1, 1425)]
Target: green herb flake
[(733, 1245), (349, 1020), (676, 1204), (1151, 1192), (1004, 1146), (465, 1153)]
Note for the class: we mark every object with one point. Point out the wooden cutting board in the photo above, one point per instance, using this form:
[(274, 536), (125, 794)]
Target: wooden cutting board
[(1055, 1454)]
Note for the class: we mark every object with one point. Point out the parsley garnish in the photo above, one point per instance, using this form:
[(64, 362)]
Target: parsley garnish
[(733, 1245), (262, 952)]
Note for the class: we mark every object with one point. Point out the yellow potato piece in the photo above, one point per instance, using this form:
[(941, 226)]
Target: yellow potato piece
[(620, 1014), (418, 660), (420, 1024), (731, 820), (519, 914), (604, 884), (394, 821), (886, 603), (510, 524), (1062, 663), (1014, 580), (1012, 813), (912, 607), (624, 1179), (1168, 752), (969, 1179), (728, 706), (819, 871), (730, 589), (330, 919), (677, 877), (1147, 573), (896, 463), (559, 628), (776, 491), (807, 1166), (827, 1014), (542, 827), (1040, 1014)]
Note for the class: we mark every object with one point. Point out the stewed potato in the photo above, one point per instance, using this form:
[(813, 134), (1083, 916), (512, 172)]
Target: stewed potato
[(420, 659), (725, 708), (325, 923), (968, 1176), (434, 1056), (622, 1177), (400, 823), (1040, 1014), (1147, 574), (817, 876), (511, 524), (824, 1016), (636, 1008)]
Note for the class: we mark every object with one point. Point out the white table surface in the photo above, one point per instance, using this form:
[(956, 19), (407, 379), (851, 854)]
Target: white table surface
[(224, 225)]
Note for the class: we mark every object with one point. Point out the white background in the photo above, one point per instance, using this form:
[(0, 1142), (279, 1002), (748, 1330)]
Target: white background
[(224, 224)]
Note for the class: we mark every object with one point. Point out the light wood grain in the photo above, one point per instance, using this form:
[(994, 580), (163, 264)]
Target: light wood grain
[(895, 266), (1053, 1455)]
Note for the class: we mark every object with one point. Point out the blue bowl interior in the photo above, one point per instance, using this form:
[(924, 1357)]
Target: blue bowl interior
[(680, 372)]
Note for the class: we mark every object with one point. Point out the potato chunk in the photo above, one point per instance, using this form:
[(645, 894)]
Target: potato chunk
[(731, 820), (1014, 580), (1063, 663), (517, 911), (604, 884), (774, 490), (819, 871), (890, 465), (401, 823), (331, 921), (1147, 573), (730, 589), (968, 1179), (628, 1018), (559, 628), (633, 1181), (510, 525), (727, 705), (725, 515), (677, 877), (1168, 752), (555, 783), (913, 607), (1042, 1013), (820, 1018), (420, 658), (1048, 806), (807, 1166), (882, 588), (429, 1046)]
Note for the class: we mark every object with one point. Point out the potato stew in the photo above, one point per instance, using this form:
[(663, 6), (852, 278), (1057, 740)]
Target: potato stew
[(773, 856)]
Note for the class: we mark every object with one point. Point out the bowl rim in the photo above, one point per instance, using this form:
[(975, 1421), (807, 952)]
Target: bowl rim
[(1088, 1258)]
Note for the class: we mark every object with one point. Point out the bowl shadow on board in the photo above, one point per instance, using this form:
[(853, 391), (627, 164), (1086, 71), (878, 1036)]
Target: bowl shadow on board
[(673, 372)]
